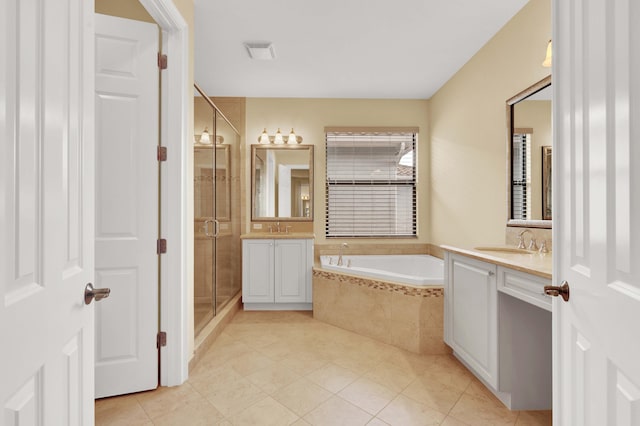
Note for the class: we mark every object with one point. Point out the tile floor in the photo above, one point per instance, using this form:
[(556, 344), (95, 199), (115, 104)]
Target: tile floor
[(285, 368)]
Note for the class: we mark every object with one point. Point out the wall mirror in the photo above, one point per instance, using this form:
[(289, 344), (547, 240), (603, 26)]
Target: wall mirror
[(529, 148), (282, 182)]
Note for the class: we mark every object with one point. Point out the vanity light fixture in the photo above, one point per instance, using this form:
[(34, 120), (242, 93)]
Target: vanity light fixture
[(204, 137), (547, 60), (278, 138), (264, 137), (292, 137)]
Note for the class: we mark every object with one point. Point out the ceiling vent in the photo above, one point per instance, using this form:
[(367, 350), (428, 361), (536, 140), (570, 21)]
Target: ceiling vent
[(262, 51)]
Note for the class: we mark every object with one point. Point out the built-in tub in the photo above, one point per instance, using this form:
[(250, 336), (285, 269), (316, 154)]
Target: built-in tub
[(412, 269), (396, 299)]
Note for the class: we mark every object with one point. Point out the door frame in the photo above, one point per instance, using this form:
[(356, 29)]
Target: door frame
[(176, 92)]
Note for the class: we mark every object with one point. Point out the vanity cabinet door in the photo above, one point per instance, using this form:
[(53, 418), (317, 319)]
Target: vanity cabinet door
[(257, 271), (291, 264), (471, 315)]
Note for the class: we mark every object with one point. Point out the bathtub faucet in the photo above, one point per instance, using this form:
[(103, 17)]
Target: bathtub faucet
[(342, 246)]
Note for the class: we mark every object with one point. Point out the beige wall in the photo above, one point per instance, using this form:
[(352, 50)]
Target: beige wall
[(130, 9), (469, 135), (535, 115), (309, 117)]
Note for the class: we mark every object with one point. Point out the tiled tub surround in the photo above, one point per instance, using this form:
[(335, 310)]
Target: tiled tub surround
[(407, 317)]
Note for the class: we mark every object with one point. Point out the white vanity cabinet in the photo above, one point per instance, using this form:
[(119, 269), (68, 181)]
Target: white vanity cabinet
[(276, 274), (498, 323), (471, 314)]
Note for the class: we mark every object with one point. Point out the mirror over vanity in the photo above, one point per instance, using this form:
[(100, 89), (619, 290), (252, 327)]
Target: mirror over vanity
[(529, 148), (282, 182)]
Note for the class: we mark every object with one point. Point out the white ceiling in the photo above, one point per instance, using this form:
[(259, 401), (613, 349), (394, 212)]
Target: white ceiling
[(402, 49)]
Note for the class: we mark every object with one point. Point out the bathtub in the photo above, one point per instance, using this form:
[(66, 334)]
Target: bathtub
[(413, 269)]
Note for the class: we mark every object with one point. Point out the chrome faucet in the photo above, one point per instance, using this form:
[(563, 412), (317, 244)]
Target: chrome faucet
[(278, 227), (342, 246), (532, 243), (543, 247)]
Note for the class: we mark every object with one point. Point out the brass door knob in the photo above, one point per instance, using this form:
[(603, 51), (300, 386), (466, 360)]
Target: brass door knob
[(556, 291)]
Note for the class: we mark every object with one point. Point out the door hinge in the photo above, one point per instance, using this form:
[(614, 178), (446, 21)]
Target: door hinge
[(161, 339), (162, 246), (162, 153), (162, 61)]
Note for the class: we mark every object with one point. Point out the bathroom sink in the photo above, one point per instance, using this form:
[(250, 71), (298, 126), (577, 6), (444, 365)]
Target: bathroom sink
[(503, 249)]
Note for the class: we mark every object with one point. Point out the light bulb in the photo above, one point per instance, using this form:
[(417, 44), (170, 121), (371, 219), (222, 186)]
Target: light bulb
[(292, 137), (548, 59), (279, 139), (204, 137), (264, 137)]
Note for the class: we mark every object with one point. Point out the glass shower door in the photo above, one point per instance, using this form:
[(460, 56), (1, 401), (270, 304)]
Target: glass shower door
[(204, 229), (217, 249)]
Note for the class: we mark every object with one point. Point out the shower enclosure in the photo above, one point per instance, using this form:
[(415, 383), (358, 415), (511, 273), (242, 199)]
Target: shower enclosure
[(216, 161)]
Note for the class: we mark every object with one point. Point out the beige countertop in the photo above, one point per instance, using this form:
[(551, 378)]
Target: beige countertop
[(534, 263), (277, 236)]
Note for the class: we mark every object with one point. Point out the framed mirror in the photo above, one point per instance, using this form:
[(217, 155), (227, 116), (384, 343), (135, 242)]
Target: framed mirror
[(282, 182), (546, 182), (529, 148)]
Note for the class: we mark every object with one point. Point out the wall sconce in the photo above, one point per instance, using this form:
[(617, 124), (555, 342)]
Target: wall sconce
[(547, 60), (278, 138)]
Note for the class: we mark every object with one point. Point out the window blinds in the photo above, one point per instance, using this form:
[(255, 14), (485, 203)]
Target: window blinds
[(521, 176), (371, 184)]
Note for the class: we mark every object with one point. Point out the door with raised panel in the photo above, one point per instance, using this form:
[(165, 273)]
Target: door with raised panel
[(46, 212), (471, 310), (596, 75), (126, 232), (257, 271), (291, 271)]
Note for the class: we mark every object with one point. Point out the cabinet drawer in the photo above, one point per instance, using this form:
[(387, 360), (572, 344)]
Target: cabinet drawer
[(526, 287)]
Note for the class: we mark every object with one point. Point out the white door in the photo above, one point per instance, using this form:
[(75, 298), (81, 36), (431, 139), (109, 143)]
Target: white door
[(126, 230), (46, 212), (597, 211)]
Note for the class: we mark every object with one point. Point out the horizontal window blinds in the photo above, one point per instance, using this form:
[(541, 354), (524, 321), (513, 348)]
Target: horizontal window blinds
[(371, 184), (521, 176)]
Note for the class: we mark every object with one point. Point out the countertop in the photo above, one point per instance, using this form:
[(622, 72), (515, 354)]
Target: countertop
[(277, 236), (534, 263)]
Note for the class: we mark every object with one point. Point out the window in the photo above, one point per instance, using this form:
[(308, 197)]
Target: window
[(521, 175), (371, 183)]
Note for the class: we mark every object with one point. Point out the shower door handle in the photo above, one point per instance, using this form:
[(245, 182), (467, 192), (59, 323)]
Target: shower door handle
[(217, 228), (206, 228)]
